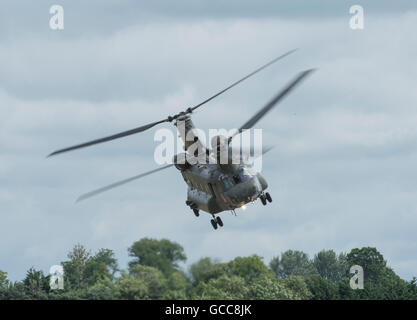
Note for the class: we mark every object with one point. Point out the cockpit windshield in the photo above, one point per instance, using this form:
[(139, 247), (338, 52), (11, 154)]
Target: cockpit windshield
[(244, 175), (227, 182)]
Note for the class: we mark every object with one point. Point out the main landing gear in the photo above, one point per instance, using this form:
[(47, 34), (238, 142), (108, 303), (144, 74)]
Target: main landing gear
[(265, 197), (216, 221)]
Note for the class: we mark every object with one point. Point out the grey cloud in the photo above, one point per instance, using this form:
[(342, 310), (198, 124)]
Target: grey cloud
[(342, 173)]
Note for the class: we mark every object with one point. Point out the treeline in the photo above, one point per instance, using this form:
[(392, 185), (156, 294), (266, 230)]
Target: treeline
[(154, 273)]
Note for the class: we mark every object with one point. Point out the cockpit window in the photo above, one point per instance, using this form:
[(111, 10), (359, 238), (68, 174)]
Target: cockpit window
[(227, 182), (244, 176)]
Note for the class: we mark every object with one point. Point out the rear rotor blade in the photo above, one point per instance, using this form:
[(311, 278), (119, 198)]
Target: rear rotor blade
[(244, 78), (119, 183), (105, 139), (252, 121)]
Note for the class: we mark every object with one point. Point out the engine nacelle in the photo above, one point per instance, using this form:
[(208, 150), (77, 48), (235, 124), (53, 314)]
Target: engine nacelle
[(180, 161)]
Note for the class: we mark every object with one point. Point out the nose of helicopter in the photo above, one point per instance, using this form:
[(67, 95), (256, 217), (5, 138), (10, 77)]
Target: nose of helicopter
[(245, 192)]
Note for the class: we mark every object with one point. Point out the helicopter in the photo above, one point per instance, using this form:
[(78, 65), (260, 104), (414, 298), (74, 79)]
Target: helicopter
[(216, 182)]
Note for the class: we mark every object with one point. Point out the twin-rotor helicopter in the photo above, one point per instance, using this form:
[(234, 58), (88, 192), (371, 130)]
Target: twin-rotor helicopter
[(213, 186)]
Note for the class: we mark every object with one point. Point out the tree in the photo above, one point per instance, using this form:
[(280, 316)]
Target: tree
[(154, 280), (161, 254), (412, 287), (177, 286), (271, 288), (84, 270), (36, 284), (15, 291), (103, 289), (380, 281), (298, 285), (129, 287), (321, 288), (369, 259), (106, 257), (75, 269), (3, 280), (292, 262), (141, 283), (154, 274), (248, 268), (330, 266), (223, 288), (206, 269), (101, 266)]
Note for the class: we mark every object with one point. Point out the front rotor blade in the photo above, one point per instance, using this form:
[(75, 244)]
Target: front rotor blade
[(119, 183), (244, 78), (105, 139), (245, 153), (252, 121)]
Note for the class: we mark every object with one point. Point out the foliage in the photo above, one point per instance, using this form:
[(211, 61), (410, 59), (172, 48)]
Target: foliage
[(83, 270), (3, 280), (161, 254), (370, 260), (36, 284), (322, 288), (330, 266), (249, 268), (271, 288), (154, 273), (206, 269), (75, 268), (292, 262), (225, 288)]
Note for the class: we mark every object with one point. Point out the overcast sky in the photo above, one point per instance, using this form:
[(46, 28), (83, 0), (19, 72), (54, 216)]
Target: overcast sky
[(343, 171)]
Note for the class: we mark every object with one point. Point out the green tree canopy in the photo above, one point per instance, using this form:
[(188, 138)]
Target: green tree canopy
[(103, 265), (161, 254), (225, 287), (75, 276), (331, 266), (207, 268), (154, 274), (36, 284), (84, 269), (292, 262), (248, 268), (322, 288), (3, 279), (369, 259)]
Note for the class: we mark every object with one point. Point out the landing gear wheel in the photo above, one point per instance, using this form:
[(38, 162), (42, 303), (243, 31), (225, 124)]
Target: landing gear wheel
[(214, 224), (263, 200), (268, 197), (196, 212), (219, 221)]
